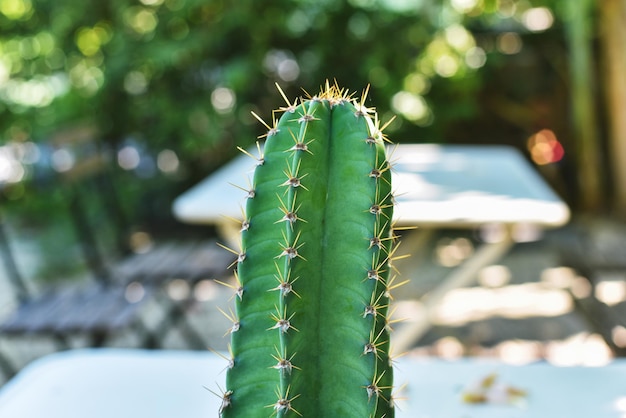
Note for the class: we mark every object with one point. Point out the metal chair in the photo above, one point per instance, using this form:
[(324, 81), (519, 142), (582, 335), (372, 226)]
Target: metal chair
[(96, 310), (91, 182), (122, 281)]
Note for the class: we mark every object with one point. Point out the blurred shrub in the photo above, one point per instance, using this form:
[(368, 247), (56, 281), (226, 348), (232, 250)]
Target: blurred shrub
[(170, 83)]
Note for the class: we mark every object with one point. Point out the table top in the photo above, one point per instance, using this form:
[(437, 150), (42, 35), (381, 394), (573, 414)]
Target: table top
[(117, 383), (434, 185)]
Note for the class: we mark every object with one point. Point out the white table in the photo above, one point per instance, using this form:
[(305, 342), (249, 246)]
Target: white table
[(436, 186), (112, 383)]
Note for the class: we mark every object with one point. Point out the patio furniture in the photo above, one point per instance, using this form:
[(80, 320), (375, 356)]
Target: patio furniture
[(95, 311), (122, 280), (182, 262), (114, 383), (436, 187)]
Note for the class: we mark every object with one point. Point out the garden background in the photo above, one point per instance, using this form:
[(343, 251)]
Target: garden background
[(169, 85)]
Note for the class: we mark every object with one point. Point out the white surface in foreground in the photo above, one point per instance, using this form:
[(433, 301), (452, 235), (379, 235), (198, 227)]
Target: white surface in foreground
[(111, 383)]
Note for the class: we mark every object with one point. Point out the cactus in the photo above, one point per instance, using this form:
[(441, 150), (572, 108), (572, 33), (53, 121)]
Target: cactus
[(310, 334)]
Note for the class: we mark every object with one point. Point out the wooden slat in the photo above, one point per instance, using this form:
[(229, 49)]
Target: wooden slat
[(87, 310), (208, 262), (176, 260)]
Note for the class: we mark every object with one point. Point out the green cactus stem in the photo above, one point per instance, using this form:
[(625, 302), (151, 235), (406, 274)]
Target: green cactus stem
[(310, 334)]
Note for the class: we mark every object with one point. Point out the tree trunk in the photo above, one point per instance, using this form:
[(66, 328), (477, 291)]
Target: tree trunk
[(583, 111), (613, 40)]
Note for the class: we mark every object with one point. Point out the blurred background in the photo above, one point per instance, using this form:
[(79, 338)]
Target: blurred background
[(168, 87)]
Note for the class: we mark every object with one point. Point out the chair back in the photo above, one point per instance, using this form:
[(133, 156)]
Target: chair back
[(95, 211), (16, 280)]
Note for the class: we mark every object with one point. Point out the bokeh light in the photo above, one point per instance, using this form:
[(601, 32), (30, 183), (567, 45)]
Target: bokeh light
[(545, 148), (15, 9), (507, 8), (464, 6), (11, 170), (538, 19), (282, 64), (167, 161), (135, 83), (223, 99), (140, 19), (475, 57), (62, 160), (509, 43), (412, 107), (128, 157)]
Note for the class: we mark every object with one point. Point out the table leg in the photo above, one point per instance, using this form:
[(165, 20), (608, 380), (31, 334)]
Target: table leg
[(229, 232), (404, 338)]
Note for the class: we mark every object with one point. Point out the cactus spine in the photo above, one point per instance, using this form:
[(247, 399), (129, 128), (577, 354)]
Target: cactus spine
[(310, 332)]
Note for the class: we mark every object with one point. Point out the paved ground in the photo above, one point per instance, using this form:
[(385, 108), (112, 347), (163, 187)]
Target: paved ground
[(519, 310)]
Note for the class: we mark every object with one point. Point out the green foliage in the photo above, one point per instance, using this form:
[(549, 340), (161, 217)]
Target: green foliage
[(184, 74), (310, 334)]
